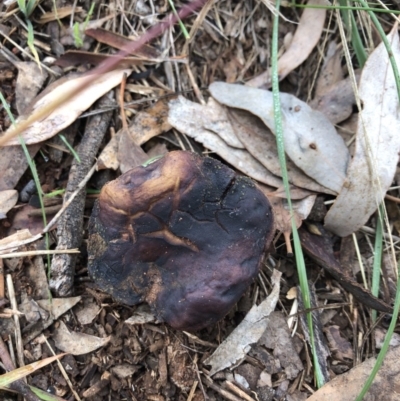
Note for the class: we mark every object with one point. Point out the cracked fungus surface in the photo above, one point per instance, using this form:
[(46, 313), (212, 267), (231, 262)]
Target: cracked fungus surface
[(185, 234)]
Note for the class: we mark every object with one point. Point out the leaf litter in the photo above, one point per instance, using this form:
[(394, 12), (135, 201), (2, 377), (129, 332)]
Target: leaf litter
[(311, 141), (70, 110), (374, 162), (165, 359)]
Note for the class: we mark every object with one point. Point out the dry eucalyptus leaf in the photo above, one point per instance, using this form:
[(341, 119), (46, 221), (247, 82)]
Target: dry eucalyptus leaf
[(301, 210), (109, 155), (8, 200), (130, 154), (150, 122), (184, 116), (261, 143), (58, 306), (347, 386), (277, 337), (13, 164), (308, 34), (331, 71), (77, 343), (380, 335), (373, 166), (35, 272), (19, 238), (67, 113), (311, 141), (87, 311), (248, 332), (338, 102), (29, 82)]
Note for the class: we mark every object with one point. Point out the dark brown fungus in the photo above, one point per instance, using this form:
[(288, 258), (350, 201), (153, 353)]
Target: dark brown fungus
[(185, 234)]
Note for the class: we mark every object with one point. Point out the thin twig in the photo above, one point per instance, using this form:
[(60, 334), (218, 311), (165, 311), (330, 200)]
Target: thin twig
[(36, 253), (79, 188), (18, 338)]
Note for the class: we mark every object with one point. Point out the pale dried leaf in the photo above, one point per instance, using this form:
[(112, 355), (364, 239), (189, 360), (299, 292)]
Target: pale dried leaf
[(14, 241), (380, 335), (36, 273), (32, 311), (29, 82), (373, 166), (70, 109), (13, 164), (305, 39), (301, 210), (307, 35), (212, 117), (311, 141), (58, 306), (277, 337), (142, 314), (150, 122), (337, 103), (248, 332), (261, 143), (183, 116), (87, 311), (347, 386), (8, 200), (130, 154), (331, 71), (109, 155), (77, 343)]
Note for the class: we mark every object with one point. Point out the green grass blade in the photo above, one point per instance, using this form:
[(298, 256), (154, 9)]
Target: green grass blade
[(301, 268), (351, 25), (353, 8), (45, 396), (181, 24), (386, 343), (70, 148), (31, 43), (22, 6), (378, 250)]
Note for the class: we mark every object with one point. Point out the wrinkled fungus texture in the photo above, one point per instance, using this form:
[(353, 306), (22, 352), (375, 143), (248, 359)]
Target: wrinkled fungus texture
[(185, 234)]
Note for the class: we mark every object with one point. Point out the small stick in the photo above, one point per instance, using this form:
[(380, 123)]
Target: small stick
[(230, 386), (70, 225), (18, 339), (192, 390), (79, 188), (63, 372), (37, 253), (1, 279), (226, 394)]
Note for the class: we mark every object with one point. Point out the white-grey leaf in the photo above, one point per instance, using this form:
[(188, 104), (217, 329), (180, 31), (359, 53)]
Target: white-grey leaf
[(185, 117), (69, 111), (77, 343), (249, 331), (311, 141), (373, 166)]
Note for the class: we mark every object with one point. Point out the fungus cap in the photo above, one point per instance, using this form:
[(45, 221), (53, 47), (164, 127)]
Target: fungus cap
[(185, 234)]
